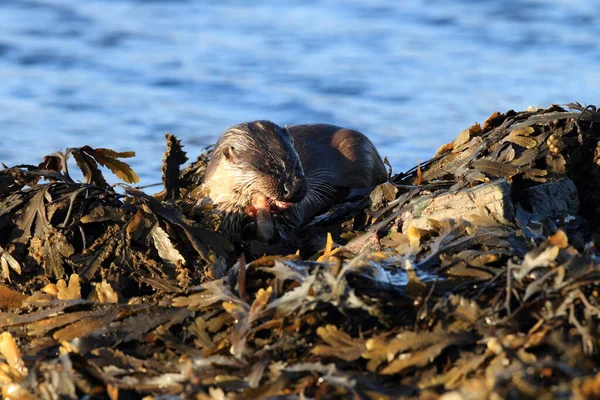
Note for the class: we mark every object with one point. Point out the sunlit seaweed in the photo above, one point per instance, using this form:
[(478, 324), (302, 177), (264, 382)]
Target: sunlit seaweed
[(113, 293)]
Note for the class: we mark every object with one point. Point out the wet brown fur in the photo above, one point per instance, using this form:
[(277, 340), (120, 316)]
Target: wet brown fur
[(265, 154)]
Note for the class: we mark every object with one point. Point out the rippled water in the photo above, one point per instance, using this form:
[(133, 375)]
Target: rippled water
[(410, 74)]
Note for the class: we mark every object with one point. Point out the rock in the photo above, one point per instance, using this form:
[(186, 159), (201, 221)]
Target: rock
[(486, 200), (552, 199)]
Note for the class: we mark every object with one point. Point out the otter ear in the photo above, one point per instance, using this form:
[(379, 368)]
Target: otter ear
[(287, 131), (228, 153)]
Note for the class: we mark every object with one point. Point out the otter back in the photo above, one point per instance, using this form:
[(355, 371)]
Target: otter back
[(349, 158), (335, 157)]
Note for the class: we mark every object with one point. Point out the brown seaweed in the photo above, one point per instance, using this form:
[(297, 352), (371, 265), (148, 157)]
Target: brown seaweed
[(109, 293)]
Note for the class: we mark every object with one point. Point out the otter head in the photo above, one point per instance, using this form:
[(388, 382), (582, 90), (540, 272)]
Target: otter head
[(255, 169)]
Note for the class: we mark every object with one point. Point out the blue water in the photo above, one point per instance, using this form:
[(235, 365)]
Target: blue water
[(410, 74)]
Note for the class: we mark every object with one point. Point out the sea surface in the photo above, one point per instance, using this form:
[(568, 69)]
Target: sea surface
[(409, 74)]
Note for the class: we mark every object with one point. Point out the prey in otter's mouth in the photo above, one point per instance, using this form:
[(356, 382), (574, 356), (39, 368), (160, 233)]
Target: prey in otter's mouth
[(259, 169), (255, 171)]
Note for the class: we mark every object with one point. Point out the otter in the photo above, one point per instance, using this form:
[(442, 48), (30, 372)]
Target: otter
[(259, 169)]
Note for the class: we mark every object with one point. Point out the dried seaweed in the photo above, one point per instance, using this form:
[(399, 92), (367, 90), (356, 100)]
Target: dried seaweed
[(174, 158), (108, 292)]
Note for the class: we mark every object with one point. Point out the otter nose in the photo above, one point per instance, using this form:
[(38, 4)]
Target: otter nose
[(295, 190)]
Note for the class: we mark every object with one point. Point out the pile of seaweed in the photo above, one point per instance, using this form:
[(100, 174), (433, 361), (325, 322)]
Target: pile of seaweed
[(474, 275)]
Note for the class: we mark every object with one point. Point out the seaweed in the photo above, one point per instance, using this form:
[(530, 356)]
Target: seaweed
[(473, 275)]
